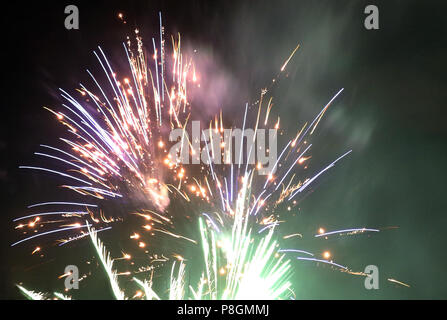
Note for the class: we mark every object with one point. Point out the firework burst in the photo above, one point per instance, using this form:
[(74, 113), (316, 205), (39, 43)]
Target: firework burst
[(117, 151)]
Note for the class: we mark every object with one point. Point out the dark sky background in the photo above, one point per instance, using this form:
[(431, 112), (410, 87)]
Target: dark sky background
[(392, 114)]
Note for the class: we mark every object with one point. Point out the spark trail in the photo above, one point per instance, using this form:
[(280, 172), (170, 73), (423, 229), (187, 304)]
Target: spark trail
[(116, 151)]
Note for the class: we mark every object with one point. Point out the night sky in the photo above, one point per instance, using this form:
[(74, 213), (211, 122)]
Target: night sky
[(391, 113)]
